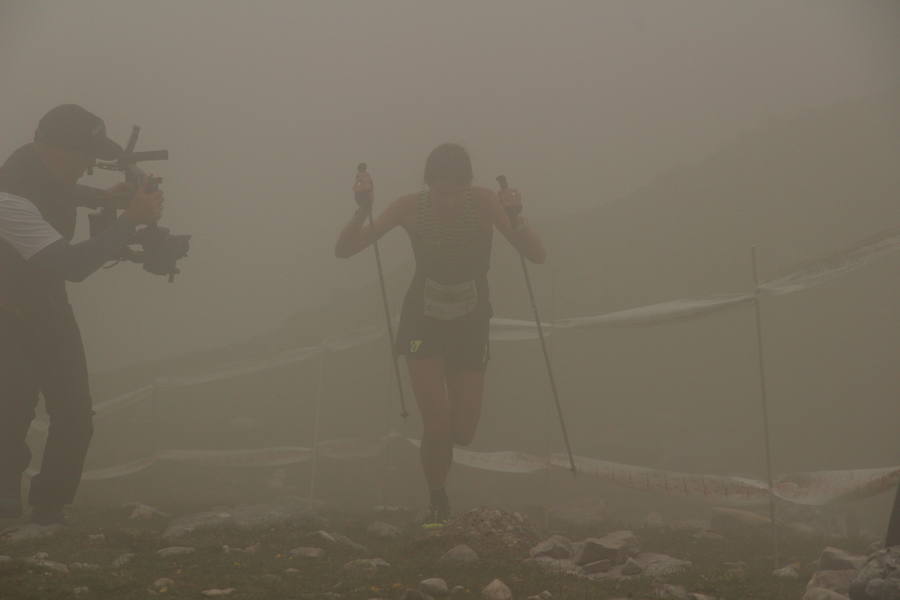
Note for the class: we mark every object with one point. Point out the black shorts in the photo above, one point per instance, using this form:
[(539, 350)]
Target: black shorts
[(463, 344)]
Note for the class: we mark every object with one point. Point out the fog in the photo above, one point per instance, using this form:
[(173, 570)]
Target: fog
[(266, 109), (654, 144)]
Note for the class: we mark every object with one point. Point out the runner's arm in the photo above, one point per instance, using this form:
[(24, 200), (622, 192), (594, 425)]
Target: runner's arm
[(519, 234), (358, 234)]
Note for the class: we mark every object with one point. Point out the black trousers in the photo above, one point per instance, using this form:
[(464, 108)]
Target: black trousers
[(43, 353)]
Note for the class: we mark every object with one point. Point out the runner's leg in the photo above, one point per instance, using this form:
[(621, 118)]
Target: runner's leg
[(427, 378), (466, 390)]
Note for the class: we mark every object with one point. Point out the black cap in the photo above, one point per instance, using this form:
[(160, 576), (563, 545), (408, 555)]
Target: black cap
[(72, 127)]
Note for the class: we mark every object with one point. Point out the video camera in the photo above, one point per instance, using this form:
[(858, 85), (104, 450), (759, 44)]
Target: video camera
[(160, 249)]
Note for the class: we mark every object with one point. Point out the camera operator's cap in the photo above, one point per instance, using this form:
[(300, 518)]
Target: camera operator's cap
[(71, 127)]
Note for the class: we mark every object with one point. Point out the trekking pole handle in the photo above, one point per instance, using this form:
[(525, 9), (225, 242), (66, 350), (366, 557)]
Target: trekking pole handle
[(512, 213)]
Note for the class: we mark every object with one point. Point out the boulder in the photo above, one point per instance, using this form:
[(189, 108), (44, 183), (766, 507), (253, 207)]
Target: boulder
[(459, 555), (122, 560), (879, 577), (556, 546), (382, 530), (835, 559), (616, 547), (836, 581), (788, 572), (554, 566), (496, 590), (601, 566), (435, 587)]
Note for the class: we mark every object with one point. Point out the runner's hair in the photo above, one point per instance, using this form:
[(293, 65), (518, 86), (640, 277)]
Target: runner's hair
[(448, 164)]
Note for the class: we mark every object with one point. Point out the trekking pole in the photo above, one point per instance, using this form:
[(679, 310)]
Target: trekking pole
[(361, 168), (504, 184)]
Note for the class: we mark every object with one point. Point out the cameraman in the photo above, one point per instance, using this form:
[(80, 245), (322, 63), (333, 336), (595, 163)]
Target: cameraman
[(40, 344)]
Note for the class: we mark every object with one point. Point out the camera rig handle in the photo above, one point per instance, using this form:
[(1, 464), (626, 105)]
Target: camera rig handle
[(128, 160)]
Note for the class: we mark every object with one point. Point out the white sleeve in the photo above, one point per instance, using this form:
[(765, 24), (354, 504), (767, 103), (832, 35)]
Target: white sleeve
[(23, 227)]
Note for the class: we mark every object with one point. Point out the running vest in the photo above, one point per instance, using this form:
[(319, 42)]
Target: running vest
[(452, 262)]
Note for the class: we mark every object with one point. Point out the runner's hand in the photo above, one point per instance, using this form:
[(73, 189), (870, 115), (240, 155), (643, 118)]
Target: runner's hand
[(511, 201), (364, 190)]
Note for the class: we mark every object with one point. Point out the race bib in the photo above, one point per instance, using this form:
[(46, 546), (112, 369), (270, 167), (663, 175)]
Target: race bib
[(446, 302)]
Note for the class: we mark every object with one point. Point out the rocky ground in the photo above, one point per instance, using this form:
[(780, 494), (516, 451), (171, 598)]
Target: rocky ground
[(291, 550)]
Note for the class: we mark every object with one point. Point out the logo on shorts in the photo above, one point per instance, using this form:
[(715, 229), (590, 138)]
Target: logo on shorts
[(414, 346)]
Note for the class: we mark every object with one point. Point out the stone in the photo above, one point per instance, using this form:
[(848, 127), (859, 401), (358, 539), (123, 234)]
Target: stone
[(556, 546), (835, 559), (307, 552), (822, 594), (163, 584), (879, 577), (291, 571), (175, 551), (788, 572), (836, 581), (28, 532), (383, 531), (661, 565), (80, 566), (496, 590), (186, 525), (553, 566), (40, 561), (459, 555), (600, 566), (491, 530), (616, 546), (144, 512), (97, 538), (632, 568), (411, 594), (434, 587), (81, 590), (122, 560), (323, 537), (672, 592), (365, 568), (215, 593)]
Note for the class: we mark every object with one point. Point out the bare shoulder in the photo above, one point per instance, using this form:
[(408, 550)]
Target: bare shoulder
[(406, 203)]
